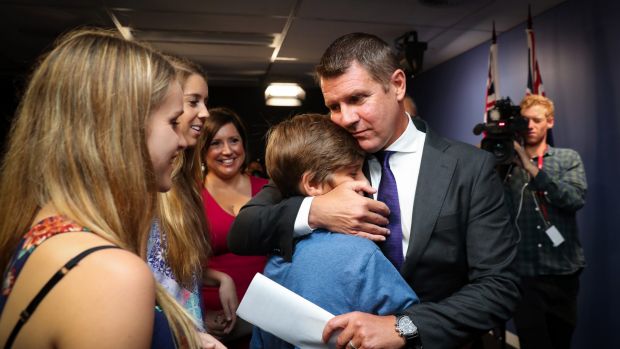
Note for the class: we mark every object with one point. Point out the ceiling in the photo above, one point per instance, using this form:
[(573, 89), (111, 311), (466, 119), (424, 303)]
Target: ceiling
[(247, 42)]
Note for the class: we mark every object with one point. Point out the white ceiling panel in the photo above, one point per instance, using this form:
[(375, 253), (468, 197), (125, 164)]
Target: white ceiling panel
[(269, 8), (316, 35), (390, 11), (199, 22)]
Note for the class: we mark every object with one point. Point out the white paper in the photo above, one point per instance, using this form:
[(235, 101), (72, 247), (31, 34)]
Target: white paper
[(285, 314), (554, 234)]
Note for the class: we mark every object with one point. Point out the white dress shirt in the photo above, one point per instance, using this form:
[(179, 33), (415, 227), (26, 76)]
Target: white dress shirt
[(405, 165)]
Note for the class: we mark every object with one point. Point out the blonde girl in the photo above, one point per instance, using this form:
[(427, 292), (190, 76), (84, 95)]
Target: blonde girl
[(92, 143)]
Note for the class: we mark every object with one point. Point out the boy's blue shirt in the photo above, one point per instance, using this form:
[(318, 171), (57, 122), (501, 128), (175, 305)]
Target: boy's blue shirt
[(340, 273)]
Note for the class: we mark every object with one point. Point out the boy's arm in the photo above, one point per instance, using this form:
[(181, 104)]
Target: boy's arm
[(383, 290), (265, 224)]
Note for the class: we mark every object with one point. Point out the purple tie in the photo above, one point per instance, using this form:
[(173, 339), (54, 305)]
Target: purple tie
[(388, 193)]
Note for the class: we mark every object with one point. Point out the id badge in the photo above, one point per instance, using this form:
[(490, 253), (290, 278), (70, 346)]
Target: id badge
[(554, 234)]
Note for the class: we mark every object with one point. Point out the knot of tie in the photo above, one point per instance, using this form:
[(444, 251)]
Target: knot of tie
[(384, 157)]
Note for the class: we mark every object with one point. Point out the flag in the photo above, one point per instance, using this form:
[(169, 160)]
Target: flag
[(492, 91), (534, 80)]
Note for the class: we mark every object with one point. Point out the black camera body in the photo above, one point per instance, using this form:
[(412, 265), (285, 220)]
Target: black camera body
[(504, 125)]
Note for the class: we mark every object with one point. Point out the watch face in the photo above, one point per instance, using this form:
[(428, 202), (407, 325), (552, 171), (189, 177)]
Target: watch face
[(406, 326)]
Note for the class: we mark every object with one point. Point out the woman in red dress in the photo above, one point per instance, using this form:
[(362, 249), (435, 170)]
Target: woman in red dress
[(226, 189)]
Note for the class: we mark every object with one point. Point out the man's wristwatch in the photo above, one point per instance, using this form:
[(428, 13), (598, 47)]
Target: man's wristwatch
[(408, 330)]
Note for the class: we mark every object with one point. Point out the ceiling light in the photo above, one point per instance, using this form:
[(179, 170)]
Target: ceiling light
[(286, 59), (281, 94)]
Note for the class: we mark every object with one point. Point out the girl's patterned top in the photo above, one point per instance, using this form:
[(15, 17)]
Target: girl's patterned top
[(51, 226), (40, 232), (156, 259)]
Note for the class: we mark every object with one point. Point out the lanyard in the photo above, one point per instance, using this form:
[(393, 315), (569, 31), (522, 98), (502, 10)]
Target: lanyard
[(541, 157), (540, 162)]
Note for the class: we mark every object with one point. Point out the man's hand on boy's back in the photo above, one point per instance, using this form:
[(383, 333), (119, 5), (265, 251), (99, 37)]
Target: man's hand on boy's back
[(344, 210)]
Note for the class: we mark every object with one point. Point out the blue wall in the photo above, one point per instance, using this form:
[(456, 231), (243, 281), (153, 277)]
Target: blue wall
[(578, 49)]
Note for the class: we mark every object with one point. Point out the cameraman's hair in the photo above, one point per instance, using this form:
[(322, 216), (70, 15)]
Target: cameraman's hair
[(308, 143), (372, 53), (534, 100)]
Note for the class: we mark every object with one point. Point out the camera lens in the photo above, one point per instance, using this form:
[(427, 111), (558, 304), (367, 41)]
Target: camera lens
[(501, 148)]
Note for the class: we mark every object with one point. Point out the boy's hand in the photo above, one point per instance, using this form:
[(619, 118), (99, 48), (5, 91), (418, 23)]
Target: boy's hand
[(344, 210)]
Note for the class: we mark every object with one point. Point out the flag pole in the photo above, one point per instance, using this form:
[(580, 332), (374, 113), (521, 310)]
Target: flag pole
[(492, 88)]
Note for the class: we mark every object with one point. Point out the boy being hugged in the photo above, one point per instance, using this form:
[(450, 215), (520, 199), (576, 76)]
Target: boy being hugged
[(310, 155)]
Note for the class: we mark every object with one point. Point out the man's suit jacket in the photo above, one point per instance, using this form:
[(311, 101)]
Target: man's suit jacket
[(461, 248)]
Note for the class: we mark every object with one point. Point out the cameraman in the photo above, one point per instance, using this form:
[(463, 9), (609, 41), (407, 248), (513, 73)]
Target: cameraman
[(546, 187)]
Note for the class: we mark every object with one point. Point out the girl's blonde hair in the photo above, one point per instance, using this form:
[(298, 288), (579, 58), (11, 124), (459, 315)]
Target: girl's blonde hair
[(181, 209), (78, 142)]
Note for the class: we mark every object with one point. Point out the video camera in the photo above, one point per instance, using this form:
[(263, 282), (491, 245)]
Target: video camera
[(504, 125)]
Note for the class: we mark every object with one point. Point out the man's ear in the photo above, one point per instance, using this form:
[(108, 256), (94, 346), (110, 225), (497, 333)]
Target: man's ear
[(398, 81), (309, 186), (550, 122)]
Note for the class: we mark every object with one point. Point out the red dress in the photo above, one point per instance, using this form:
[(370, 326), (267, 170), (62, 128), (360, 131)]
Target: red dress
[(240, 268)]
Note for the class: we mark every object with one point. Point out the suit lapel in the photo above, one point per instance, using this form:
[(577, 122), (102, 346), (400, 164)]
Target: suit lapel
[(436, 171)]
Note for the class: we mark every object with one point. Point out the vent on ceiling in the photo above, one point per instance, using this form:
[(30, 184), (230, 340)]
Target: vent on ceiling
[(206, 37)]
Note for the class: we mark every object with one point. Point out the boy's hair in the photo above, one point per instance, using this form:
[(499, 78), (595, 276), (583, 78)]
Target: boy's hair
[(308, 143), (534, 100), (372, 53)]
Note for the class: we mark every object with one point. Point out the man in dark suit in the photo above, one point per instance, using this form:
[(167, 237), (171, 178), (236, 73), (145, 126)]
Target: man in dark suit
[(457, 242)]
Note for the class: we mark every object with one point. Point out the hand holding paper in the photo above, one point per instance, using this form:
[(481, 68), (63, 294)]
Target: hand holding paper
[(285, 314)]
